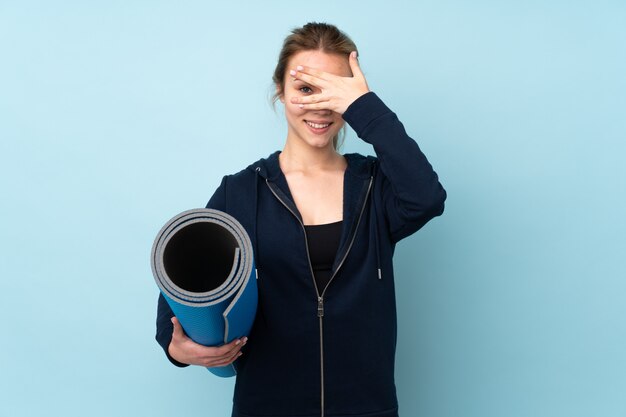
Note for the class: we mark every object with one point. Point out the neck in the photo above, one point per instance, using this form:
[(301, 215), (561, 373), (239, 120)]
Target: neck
[(301, 157)]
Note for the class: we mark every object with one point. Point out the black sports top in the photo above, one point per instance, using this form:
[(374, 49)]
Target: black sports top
[(323, 241)]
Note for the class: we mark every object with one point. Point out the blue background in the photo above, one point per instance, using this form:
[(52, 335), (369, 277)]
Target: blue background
[(114, 116)]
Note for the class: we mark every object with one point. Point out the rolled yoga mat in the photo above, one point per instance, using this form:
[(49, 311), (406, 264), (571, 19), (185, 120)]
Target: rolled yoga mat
[(202, 260)]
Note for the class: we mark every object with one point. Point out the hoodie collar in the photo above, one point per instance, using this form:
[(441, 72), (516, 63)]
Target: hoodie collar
[(357, 186), (358, 166)]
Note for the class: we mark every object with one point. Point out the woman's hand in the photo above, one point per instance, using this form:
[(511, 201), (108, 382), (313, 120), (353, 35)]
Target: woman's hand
[(337, 92), (185, 350)]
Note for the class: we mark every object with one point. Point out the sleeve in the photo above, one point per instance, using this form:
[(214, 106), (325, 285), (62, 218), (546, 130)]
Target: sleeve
[(164, 326), (409, 187)]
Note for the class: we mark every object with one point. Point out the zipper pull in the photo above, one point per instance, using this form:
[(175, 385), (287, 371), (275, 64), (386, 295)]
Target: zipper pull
[(320, 307)]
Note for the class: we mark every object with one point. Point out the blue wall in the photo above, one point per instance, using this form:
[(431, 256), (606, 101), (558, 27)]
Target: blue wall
[(114, 116)]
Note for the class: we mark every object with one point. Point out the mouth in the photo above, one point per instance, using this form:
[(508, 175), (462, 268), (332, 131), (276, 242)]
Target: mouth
[(318, 127)]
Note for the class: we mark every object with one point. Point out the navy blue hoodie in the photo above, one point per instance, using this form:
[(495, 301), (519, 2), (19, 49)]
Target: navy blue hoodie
[(327, 352)]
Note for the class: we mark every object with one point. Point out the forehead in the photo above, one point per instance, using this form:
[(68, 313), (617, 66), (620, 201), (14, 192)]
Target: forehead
[(332, 63)]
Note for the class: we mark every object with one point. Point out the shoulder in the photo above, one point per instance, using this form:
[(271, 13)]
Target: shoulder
[(236, 189), (361, 165), (264, 166), (244, 183)]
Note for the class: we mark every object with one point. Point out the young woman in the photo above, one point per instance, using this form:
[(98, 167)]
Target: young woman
[(324, 228)]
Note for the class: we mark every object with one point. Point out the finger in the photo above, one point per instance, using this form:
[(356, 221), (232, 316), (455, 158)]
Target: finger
[(214, 360), (354, 65), (230, 357), (314, 98), (312, 80), (223, 362), (314, 72), (235, 358), (323, 105), (227, 349)]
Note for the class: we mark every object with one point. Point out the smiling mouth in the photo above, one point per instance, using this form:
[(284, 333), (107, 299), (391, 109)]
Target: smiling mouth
[(318, 125)]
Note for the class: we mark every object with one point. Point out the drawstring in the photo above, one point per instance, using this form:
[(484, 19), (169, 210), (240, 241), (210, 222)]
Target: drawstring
[(256, 212), (375, 214)]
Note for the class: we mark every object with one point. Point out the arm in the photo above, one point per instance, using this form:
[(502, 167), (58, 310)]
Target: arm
[(178, 347), (165, 329), (411, 192)]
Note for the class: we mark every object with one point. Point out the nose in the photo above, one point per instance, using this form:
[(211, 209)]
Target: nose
[(323, 112)]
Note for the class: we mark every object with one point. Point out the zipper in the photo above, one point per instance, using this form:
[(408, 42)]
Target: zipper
[(306, 243), (358, 222), (320, 298)]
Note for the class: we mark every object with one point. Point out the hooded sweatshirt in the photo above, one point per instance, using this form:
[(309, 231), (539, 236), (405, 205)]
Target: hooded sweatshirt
[(328, 351)]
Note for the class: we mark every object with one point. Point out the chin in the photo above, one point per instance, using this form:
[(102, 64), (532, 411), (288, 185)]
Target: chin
[(319, 143)]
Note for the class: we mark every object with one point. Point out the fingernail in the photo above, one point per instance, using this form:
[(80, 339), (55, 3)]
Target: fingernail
[(292, 72), (301, 105), (299, 67), (238, 342), (245, 340), (239, 354)]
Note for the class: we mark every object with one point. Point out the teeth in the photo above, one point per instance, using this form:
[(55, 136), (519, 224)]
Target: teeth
[(318, 126)]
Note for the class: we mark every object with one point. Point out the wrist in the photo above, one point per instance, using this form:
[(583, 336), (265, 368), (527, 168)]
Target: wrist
[(173, 355)]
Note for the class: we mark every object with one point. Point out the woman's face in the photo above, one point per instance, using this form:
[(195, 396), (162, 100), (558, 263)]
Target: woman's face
[(316, 128)]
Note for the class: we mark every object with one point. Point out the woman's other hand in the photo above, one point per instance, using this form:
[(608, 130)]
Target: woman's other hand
[(185, 350), (337, 92)]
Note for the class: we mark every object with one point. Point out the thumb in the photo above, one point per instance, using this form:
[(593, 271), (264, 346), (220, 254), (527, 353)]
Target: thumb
[(354, 65), (178, 329)]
